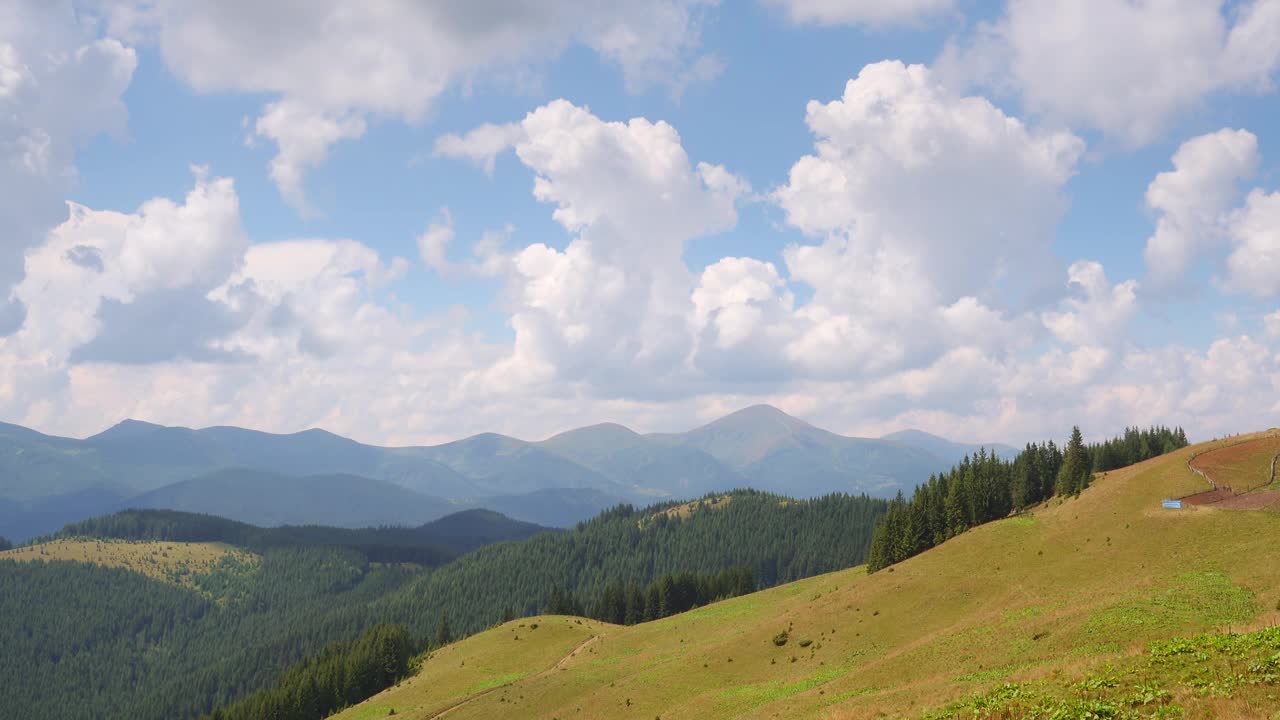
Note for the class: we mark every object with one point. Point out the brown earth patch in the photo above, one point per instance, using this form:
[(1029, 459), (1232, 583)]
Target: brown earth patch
[(1209, 497), (1262, 500), (1243, 466)]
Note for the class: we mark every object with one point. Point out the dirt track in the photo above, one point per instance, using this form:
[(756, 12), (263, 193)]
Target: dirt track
[(1212, 465), (560, 664)]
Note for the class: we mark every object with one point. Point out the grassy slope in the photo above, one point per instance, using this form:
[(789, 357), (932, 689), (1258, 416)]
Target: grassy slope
[(176, 562), (1049, 598), (487, 663)]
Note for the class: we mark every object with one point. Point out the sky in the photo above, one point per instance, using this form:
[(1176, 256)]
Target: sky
[(408, 222)]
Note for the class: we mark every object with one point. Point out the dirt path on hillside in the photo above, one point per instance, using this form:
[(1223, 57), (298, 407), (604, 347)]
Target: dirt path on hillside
[(560, 665), (1224, 496)]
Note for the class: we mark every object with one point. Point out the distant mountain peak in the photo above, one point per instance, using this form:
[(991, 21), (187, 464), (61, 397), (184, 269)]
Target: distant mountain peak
[(763, 416), (911, 433), (611, 427), (599, 431), (138, 424), (322, 433), (944, 448), (126, 428)]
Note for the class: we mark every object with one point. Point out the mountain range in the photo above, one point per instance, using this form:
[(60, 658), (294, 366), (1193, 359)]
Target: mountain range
[(317, 477)]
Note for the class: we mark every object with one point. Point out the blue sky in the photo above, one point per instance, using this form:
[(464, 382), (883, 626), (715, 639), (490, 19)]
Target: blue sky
[(853, 268)]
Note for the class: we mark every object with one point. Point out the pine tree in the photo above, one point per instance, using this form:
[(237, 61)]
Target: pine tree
[(666, 605), (954, 505), (444, 635), (635, 612), (652, 602), (1076, 465)]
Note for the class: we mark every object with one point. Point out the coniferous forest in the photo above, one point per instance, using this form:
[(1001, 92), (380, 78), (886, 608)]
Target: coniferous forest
[(343, 674), (142, 648), (631, 603), (985, 487)]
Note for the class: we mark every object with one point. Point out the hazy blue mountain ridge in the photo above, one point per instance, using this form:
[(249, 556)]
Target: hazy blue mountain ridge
[(315, 476)]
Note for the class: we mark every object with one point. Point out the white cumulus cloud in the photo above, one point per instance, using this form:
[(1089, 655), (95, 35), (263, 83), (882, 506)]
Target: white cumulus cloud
[(1253, 267), (331, 64), (1192, 198), (1126, 67), (1100, 315), (60, 85)]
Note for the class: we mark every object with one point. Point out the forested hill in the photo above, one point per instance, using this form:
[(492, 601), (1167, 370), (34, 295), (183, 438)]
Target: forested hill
[(186, 652), (430, 544), (778, 539)]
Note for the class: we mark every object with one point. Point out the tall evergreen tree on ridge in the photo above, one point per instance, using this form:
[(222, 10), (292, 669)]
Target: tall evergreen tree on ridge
[(1076, 467)]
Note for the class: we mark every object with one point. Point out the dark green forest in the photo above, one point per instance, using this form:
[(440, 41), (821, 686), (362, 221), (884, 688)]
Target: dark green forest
[(431, 544), (985, 488), (343, 674), (140, 648), (82, 641), (668, 595)]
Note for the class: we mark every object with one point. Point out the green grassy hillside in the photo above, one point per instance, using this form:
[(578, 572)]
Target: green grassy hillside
[(1075, 607)]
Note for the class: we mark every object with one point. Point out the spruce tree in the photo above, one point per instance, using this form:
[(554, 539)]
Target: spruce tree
[(635, 612), (652, 602), (954, 506), (444, 635), (1076, 465)]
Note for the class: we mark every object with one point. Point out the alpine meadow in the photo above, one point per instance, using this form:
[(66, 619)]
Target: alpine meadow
[(671, 359)]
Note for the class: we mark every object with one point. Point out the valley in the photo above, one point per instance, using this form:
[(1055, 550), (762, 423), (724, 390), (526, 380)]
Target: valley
[(1099, 601), (1094, 597), (199, 647)]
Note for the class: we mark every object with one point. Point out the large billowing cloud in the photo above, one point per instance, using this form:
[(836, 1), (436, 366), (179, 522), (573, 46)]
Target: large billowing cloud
[(170, 311), (922, 199), (331, 64), (59, 86), (165, 250), (1102, 312), (1192, 198), (1126, 67), (1202, 221), (612, 306), (1254, 264)]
